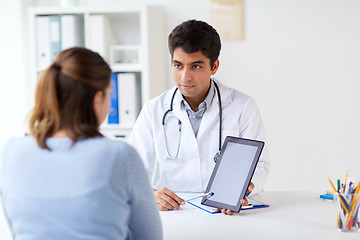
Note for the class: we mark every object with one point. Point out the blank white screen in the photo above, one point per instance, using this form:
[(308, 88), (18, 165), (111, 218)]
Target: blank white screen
[(232, 172)]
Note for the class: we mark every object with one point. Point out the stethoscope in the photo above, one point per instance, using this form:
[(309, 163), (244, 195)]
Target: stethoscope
[(179, 125)]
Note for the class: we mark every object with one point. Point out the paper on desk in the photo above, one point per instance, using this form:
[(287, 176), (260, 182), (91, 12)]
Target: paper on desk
[(187, 209), (196, 203)]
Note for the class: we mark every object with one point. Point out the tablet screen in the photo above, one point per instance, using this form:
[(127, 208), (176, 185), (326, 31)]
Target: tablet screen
[(233, 172)]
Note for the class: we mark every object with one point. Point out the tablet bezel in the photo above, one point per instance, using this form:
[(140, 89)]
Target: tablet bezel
[(238, 140)]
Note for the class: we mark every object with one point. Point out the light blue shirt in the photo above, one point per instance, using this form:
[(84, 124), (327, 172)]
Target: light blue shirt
[(96, 189), (196, 117)]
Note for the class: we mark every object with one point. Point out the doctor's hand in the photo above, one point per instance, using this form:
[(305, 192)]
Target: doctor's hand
[(244, 201), (167, 200)]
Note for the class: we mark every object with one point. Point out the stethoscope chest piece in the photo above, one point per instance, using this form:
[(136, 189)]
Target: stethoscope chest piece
[(216, 156)]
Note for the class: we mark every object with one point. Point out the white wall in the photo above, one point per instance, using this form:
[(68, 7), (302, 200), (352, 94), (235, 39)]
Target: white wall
[(301, 61), (12, 90)]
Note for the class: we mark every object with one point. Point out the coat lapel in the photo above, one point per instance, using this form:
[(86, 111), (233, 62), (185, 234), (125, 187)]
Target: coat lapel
[(178, 112), (211, 116)]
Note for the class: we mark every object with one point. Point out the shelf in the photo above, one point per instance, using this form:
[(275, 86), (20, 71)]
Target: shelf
[(131, 38), (126, 68), (118, 133), (125, 55), (117, 127)]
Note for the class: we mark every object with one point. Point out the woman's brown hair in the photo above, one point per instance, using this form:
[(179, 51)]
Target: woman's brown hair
[(64, 96)]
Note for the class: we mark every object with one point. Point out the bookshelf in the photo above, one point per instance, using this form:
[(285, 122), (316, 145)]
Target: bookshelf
[(132, 39)]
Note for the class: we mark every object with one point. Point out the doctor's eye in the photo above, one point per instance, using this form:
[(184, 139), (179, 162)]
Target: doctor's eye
[(177, 65)]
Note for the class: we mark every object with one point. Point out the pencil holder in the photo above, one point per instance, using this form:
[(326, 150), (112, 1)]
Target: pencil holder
[(348, 211)]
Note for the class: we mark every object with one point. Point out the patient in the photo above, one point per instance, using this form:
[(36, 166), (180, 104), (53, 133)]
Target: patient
[(65, 180)]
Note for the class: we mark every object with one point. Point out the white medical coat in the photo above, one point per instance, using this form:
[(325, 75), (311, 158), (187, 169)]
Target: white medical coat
[(190, 172)]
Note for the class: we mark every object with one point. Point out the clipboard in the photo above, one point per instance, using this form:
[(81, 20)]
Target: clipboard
[(253, 204), (232, 173)]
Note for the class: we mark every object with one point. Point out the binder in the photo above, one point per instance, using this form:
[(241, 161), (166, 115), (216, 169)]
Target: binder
[(113, 117), (129, 98), (97, 34), (55, 36), (43, 55), (72, 31), (55, 33)]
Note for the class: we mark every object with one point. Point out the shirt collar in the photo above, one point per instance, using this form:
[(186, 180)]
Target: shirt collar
[(205, 104)]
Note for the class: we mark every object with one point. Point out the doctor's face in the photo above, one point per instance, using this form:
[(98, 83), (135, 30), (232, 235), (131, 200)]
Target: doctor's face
[(191, 73)]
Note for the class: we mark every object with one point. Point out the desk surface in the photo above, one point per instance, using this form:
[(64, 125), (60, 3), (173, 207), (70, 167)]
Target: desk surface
[(291, 215)]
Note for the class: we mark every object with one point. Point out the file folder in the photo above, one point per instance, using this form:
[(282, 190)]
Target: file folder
[(100, 35), (55, 36), (72, 31), (43, 55), (129, 98), (113, 117)]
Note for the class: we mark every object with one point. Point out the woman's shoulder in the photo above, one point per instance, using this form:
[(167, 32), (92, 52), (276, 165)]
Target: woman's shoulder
[(118, 153), (17, 147), (110, 146), (18, 142), (108, 143)]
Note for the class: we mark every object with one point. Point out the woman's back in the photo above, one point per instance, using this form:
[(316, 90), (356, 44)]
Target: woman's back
[(95, 189)]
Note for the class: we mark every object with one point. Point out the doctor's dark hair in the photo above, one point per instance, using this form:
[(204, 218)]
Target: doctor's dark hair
[(65, 93), (193, 36)]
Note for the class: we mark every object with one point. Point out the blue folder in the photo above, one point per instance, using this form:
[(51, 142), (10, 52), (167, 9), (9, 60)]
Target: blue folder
[(114, 101)]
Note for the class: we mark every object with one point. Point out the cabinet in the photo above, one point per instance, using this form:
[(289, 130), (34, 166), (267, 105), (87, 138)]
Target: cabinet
[(132, 39)]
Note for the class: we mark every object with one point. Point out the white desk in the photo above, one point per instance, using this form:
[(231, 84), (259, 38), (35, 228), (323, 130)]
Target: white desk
[(291, 215)]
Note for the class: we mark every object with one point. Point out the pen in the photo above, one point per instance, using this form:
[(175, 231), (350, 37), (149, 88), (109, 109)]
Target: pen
[(345, 182), (203, 195), (332, 185), (344, 203), (210, 195), (350, 190)]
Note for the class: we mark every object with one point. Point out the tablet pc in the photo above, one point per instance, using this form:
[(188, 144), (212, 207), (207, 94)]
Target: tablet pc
[(232, 173)]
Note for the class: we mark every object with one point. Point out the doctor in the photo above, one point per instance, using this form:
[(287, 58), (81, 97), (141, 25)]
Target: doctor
[(179, 132)]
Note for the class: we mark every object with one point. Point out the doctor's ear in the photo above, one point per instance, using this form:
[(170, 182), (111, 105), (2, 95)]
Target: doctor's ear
[(215, 67)]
